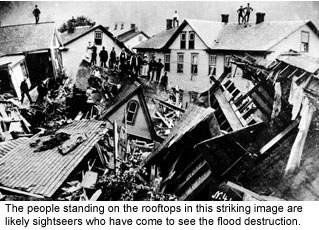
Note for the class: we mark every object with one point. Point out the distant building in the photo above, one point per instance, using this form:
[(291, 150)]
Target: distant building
[(197, 49), (129, 34), (29, 50), (75, 45)]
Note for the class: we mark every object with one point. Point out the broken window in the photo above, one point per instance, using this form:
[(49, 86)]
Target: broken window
[(132, 108), (167, 62), (212, 65), (183, 40), (191, 42), (180, 63), (304, 41), (98, 38), (194, 64)]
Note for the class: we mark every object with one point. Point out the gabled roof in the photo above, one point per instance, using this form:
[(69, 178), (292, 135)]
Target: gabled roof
[(158, 41), (128, 36), (255, 37), (80, 32), (16, 39), (231, 36), (190, 119)]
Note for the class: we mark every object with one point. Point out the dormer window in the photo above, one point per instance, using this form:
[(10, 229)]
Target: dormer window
[(183, 40), (191, 42), (132, 109)]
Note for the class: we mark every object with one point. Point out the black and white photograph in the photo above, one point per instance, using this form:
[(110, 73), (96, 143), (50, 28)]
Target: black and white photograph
[(159, 101)]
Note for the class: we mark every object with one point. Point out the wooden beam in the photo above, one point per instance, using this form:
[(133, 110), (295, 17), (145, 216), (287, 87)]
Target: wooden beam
[(170, 106), (21, 192), (277, 138)]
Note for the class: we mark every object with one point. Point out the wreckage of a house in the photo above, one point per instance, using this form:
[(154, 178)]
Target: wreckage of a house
[(30, 50)]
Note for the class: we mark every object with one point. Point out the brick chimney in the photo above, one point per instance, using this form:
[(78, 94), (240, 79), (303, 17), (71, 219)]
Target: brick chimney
[(225, 18), (260, 17), (122, 26), (133, 27), (169, 24), (115, 26)]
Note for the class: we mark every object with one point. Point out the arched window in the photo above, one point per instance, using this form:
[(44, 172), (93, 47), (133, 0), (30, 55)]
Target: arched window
[(132, 108)]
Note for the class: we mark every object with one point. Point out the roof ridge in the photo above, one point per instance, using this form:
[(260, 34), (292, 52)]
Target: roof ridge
[(27, 24)]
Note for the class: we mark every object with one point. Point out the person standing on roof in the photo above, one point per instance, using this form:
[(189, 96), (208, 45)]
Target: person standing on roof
[(175, 18), (25, 90), (248, 10), (36, 12), (103, 57), (240, 12)]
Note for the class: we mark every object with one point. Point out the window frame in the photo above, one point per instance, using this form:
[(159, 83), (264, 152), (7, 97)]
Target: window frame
[(183, 41), (180, 65), (194, 66), (304, 45), (134, 113), (167, 65), (98, 41), (227, 63), (211, 64), (191, 42)]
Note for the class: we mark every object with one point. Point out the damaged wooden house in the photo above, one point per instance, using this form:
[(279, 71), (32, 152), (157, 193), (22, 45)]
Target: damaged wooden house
[(28, 50)]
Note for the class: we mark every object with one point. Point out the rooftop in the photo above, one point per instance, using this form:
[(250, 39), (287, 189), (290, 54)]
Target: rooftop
[(16, 39)]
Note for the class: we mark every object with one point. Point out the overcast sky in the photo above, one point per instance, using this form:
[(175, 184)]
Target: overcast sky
[(151, 16)]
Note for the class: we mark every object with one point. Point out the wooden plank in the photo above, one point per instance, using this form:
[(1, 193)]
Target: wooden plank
[(163, 119), (277, 138), (229, 113), (170, 106), (244, 190), (116, 139)]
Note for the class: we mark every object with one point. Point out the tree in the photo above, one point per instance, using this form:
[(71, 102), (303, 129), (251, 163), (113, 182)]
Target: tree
[(72, 23)]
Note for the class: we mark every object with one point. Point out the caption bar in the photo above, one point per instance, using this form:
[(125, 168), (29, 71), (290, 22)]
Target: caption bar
[(158, 215)]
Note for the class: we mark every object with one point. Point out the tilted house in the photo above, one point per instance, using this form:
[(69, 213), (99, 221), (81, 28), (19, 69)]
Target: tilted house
[(198, 49), (130, 103), (75, 45), (29, 50)]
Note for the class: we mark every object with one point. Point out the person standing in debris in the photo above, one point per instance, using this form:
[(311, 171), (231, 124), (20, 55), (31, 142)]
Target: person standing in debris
[(123, 59), (36, 12), (25, 90), (175, 18), (248, 10), (42, 92), (112, 58), (144, 66), (103, 57), (151, 68), (159, 67), (240, 12), (94, 54), (164, 81)]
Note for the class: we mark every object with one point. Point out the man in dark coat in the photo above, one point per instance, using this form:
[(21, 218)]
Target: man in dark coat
[(36, 12), (240, 12), (25, 90), (159, 67), (112, 58), (94, 54), (164, 81), (151, 68), (123, 59), (42, 92), (103, 57), (134, 64), (248, 10)]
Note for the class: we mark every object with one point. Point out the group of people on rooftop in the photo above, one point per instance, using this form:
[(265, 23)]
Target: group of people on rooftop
[(244, 14)]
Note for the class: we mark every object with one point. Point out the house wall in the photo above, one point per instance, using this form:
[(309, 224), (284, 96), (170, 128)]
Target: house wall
[(77, 50), (140, 127), (293, 42), (185, 80), (135, 41)]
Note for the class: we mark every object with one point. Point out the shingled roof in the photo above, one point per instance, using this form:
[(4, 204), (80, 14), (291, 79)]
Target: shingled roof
[(16, 39), (158, 41)]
